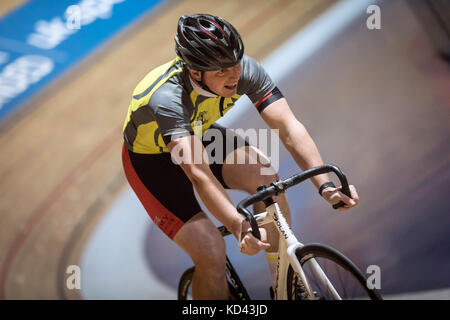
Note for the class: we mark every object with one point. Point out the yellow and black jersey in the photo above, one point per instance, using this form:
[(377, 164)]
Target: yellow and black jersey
[(165, 105)]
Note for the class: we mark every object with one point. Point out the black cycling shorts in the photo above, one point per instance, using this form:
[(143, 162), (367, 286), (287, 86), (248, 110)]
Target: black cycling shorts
[(164, 189)]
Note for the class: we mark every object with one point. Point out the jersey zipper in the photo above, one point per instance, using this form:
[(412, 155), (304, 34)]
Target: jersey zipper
[(155, 137), (221, 106)]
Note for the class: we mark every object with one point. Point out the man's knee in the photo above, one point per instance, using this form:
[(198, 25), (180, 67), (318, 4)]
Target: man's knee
[(254, 181), (205, 245), (267, 179), (256, 170), (211, 255)]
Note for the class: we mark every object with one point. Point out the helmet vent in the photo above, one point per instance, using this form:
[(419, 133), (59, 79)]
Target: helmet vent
[(206, 42)]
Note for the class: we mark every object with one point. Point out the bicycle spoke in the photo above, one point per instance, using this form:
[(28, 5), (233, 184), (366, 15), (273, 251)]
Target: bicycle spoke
[(316, 281), (327, 263), (337, 274), (355, 289), (340, 278), (342, 281)]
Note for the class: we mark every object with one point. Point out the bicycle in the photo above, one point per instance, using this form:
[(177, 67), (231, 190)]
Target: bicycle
[(302, 269)]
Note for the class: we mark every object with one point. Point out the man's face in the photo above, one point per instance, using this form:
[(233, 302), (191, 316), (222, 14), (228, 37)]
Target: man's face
[(222, 82)]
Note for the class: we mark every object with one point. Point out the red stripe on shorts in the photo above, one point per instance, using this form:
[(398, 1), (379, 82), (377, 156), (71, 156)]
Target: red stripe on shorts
[(163, 218)]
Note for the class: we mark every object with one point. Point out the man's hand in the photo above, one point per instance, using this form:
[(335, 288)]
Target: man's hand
[(250, 245), (334, 195)]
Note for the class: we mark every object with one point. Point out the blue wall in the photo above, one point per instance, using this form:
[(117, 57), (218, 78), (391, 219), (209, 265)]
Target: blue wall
[(41, 40)]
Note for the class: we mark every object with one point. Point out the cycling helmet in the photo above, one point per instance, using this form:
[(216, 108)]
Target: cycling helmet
[(206, 42)]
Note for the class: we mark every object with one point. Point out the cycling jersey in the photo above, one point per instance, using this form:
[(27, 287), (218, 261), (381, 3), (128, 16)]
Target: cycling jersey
[(167, 105)]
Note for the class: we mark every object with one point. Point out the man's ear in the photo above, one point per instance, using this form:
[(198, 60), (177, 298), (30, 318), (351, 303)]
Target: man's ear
[(195, 74)]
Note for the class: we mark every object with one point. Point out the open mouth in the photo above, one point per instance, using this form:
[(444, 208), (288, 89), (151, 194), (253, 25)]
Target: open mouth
[(231, 87)]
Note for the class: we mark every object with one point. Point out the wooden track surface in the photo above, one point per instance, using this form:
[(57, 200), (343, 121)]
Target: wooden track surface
[(9, 5), (60, 164)]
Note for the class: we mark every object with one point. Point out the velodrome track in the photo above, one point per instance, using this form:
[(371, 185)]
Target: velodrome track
[(7, 6), (399, 229), (60, 162)]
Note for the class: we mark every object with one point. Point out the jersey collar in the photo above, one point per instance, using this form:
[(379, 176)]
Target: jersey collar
[(200, 90)]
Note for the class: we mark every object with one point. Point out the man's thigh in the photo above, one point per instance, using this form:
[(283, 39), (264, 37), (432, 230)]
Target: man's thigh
[(220, 143), (246, 168), (163, 189)]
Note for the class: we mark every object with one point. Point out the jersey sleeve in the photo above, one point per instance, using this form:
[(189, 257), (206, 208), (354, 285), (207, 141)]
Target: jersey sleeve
[(257, 84), (172, 119)]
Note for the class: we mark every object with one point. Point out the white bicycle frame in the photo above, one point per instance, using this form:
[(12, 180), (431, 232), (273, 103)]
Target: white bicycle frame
[(288, 244)]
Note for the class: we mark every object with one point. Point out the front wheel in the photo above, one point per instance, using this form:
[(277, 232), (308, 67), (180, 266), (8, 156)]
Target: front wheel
[(348, 281), (185, 284)]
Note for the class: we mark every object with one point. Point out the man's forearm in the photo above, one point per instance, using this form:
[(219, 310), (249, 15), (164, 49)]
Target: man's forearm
[(301, 146), (218, 202), (209, 189)]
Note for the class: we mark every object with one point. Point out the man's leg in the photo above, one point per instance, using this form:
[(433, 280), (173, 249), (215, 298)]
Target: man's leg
[(179, 216), (206, 247)]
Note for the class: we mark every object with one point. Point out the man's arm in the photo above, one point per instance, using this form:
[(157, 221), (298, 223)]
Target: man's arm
[(300, 145), (210, 190)]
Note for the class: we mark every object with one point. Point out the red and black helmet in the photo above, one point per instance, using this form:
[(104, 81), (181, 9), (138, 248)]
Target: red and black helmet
[(206, 42)]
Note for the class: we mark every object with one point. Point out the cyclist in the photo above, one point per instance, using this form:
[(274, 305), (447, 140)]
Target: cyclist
[(171, 109)]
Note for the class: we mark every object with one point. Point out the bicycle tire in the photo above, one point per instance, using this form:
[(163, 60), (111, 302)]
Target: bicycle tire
[(320, 252), (186, 282)]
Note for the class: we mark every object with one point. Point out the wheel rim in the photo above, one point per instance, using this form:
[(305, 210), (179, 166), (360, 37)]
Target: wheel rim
[(342, 279)]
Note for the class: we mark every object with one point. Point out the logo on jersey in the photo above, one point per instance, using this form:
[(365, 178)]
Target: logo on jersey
[(202, 117), (228, 105)]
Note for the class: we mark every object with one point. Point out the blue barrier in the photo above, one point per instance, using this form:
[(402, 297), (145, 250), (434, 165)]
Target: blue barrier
[(42, 39)]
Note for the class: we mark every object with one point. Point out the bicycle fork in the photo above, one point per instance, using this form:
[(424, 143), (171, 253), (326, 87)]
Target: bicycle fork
[(288, 243)]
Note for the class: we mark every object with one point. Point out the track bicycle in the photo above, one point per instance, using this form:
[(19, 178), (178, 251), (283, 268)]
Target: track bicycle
[(305, 272)]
